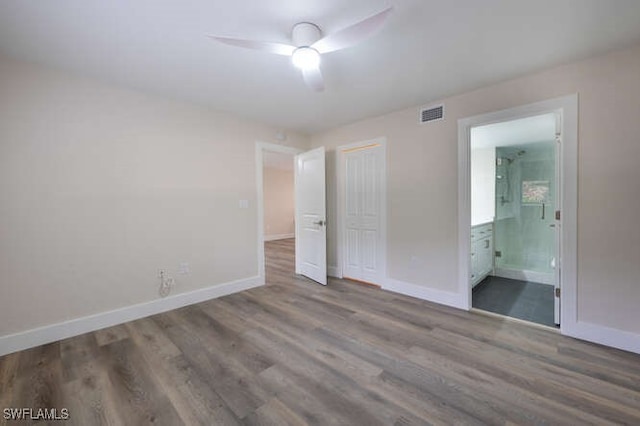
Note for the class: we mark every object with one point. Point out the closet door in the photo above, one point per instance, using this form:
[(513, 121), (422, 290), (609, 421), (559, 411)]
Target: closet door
[(363, 248)]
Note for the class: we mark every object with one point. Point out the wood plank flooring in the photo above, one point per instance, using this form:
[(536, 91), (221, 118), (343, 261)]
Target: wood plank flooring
[(295, 353)]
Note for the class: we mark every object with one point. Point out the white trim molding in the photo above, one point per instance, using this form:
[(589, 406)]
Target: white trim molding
[(275, 237), (607, 336), (334, 271), (63, 330), (425, 293), (567, 108)]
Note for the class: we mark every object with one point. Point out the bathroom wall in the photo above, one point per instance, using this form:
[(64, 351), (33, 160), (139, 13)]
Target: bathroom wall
[(483, 185), (523, 232)]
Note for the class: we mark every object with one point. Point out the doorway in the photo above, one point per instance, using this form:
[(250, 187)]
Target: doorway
[(276, 197), (310, 212), (514, 197), (507, 182)]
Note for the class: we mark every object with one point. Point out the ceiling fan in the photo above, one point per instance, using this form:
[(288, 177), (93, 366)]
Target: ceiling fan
[(308, 44)]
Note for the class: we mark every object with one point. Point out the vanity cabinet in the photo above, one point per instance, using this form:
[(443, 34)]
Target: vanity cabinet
[(481, 252)]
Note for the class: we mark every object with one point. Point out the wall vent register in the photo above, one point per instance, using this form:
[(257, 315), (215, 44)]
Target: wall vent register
[(431, 114)]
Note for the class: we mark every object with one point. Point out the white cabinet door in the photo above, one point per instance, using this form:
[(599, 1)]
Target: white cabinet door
[(484, 257), (481, 253), (311, 234), (474, 263)]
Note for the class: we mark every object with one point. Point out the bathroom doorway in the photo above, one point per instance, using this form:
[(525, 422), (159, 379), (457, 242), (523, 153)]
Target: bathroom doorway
[(514, 230), (551, 200)]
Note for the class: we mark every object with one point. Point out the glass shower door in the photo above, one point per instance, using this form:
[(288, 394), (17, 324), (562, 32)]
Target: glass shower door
[(525, 224)]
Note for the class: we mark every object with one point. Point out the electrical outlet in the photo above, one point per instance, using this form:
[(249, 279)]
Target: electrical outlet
[(243, 204), (166, 282), (184, 268)]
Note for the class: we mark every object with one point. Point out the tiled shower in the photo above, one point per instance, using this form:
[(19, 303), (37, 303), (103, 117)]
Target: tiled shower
[(524, 212)]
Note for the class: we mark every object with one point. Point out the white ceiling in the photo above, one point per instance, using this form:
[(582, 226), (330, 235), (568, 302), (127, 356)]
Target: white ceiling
[(540, 128), (428, 49)]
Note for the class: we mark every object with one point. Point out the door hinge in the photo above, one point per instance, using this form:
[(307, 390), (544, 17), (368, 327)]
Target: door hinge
[(557, 214), (558, 292)]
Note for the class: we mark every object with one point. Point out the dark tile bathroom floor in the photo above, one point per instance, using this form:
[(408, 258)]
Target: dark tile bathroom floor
[(518, 299)]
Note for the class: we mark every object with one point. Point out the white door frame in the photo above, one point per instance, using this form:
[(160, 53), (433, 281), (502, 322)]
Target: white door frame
[(340, 205), (261, 148), (567, 107)]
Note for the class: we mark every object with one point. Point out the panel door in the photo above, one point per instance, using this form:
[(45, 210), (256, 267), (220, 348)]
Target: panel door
[(311, 234), (363, 247)]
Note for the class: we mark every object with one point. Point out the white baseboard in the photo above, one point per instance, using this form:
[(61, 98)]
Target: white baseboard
[(333, 271), (522, 275), (51, 333), (278, 237), (607, 336), (425, 293)]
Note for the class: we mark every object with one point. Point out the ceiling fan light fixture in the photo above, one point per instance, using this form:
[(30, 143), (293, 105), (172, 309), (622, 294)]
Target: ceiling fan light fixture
[(306, 58), (308, 43)]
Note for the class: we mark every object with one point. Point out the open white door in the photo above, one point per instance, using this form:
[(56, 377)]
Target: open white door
[(311, 230), (557, 275)]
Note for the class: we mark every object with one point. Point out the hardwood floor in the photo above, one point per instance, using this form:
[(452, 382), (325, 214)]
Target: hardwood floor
[(294, 352)]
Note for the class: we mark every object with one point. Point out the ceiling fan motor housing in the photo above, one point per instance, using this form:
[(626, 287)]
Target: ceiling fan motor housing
[(304, 34)]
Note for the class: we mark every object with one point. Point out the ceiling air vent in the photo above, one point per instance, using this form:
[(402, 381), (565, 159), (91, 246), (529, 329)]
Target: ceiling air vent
[(431, 114)]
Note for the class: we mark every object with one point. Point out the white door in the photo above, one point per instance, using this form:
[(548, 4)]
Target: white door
[(557, 225), (311, 230), (363, 169)]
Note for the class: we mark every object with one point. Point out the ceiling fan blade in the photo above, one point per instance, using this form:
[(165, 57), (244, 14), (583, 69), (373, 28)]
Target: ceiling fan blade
[(265, 46), (353, 34), (313, 78)]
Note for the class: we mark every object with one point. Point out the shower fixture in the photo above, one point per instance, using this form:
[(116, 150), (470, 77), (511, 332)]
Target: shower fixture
[(503, 176), (501, 160)]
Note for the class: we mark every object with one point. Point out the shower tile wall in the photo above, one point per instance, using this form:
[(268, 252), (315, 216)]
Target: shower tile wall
[(523, 233)]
